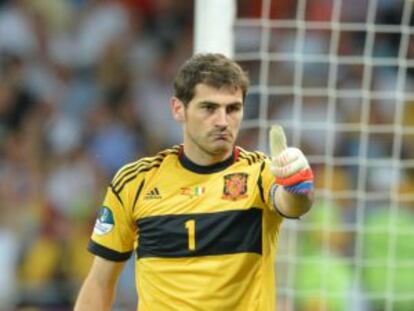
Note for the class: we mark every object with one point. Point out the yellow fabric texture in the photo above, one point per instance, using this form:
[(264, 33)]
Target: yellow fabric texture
[(159, 189)]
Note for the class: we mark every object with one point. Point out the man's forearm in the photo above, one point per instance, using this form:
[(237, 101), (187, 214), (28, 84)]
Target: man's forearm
[(94, 296), (292, 204)]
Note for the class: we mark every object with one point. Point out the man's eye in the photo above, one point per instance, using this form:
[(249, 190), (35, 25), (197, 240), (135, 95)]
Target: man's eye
[(231, 109), (209, 108)]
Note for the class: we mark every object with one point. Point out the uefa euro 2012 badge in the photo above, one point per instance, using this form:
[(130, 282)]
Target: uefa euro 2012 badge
[(105, 221)]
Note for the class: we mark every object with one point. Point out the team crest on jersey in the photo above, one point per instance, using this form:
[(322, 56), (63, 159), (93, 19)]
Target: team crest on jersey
[(105, 221), (235, 186)]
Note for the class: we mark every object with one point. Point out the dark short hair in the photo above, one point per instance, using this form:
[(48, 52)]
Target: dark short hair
[(212, 69)]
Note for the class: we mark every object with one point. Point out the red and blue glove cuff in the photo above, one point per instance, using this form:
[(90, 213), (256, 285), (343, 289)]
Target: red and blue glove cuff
[(299, 183)]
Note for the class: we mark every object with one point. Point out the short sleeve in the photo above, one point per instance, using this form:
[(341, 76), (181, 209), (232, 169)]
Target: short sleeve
[(114, 233)]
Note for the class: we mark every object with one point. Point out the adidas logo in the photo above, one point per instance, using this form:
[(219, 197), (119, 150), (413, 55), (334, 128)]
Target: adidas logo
[(153, 194)]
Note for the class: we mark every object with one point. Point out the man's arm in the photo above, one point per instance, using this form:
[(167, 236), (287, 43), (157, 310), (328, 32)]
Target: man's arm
[(292, 195), (291, 204), (98, 290)]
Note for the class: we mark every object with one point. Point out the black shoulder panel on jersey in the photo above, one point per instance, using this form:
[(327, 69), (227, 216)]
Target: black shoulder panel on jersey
[(107, 253), (252, 157), (243, 155), (131, 171), (260, 156), (133, 175)]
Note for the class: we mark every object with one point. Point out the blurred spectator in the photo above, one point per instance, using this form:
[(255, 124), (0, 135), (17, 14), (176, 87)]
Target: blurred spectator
[(70, 76), (152, 96), (388, 258), (324, 276), (8, 262), (112, 143), (101, 23), (16, 33)]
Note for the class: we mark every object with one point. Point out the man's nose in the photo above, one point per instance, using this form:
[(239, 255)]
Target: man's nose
[(221, 118)]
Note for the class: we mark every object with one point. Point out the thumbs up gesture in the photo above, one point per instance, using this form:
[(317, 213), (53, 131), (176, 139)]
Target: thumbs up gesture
[(289, 164)]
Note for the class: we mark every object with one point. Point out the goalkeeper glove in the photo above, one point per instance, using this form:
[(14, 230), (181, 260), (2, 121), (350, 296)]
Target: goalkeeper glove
[(289, 165)]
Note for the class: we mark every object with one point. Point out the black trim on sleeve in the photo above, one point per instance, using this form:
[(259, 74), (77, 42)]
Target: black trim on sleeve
[(107, 253), (260, 183), (137, 194), (116, 193)]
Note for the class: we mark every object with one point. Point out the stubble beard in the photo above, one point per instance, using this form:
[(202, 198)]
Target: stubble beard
[(221, 150)]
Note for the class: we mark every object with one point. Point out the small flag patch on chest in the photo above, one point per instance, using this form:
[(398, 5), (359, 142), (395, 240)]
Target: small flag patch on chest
[(193, 191)]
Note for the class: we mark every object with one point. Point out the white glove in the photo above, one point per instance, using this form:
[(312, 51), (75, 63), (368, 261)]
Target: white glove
[(289, 165)]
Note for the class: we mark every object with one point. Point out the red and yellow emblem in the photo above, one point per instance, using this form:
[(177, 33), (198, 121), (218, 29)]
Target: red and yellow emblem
[(235, 186)]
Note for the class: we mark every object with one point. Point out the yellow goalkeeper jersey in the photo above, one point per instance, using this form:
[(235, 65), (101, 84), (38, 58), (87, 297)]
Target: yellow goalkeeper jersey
[(204, 236)]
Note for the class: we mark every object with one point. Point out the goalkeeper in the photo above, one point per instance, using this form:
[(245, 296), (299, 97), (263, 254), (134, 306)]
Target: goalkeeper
[(203, 217)]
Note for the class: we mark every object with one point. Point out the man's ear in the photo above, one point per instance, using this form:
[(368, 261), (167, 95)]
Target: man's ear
[(177, 109)]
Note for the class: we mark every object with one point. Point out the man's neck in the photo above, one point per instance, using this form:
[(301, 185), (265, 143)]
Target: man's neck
[(201, 157), (211, 167)]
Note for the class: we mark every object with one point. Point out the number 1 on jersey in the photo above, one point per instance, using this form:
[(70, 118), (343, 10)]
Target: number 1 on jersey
[(190, 226)]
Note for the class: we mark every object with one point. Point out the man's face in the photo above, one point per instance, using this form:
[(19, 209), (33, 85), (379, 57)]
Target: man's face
[(212, 119)]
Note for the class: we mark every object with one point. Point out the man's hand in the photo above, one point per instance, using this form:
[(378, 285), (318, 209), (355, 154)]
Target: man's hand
[(292, 171), (289, 164)]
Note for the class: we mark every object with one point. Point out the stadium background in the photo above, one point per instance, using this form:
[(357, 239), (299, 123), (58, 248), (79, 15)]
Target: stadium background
[(84, 88)]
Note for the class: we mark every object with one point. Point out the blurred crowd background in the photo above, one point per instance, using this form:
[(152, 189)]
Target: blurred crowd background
[(85, 86), (84, 89)]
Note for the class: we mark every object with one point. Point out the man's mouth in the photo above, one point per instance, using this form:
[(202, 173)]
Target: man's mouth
[(221, 136)]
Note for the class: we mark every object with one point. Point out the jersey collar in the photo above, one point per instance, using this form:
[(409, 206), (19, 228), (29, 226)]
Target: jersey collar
[(207, 169)]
